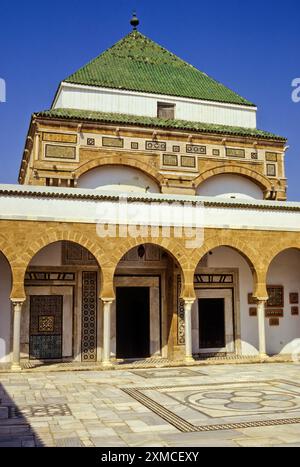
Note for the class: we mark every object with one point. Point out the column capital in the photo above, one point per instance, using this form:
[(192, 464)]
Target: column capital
[(17, 304), (107, 301)]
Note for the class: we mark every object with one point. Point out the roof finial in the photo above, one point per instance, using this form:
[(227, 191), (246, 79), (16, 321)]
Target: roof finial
[(134, 21)]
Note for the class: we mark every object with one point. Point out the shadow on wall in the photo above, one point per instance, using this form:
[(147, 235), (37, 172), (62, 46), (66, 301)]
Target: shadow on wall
[(15, 429)]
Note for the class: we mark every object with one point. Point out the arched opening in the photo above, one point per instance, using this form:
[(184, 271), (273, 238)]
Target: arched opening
[(147, 285), (230, 186), (118, 178), (223, 321), (283, 307), (5, 309), (60, 315)]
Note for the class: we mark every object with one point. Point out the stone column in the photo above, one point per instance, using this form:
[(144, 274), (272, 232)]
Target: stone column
[(106, 332), (261, 327), (17, 308), (188, 330)]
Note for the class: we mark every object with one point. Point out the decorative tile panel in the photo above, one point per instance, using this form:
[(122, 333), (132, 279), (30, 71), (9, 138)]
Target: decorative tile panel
[(156, 146), (195, 149), (271, 170), (231, 152), (170, 160), (112, 142), (187, 161), (294, 298), (252, 312), (270, 313), (60, 152), (274, 322), (295, 311), (216, 152), (59, 138), (271, 156), (254, 156), (134, 145), (176, 148), (46, 323), (276, 296), (89, 317), (90, 141)]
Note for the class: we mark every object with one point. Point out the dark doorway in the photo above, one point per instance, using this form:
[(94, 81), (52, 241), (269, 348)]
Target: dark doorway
[(46, 315), (211, 323), (133, 322)]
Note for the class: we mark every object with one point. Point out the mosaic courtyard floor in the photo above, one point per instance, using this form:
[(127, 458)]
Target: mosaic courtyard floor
[(228, 405)]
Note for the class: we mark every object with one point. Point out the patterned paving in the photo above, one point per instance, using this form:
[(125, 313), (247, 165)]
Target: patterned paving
[(227, 405), (244, 403)]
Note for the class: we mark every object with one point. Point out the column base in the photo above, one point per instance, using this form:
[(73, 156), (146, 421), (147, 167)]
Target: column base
[(107, 364), (263, 356), (15, 367), (189, 359)]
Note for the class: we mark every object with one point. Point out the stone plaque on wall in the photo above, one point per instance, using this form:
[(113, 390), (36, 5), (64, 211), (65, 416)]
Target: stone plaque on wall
[(271, 170), (188, 161), (156, 146), (112, 142), (294, 298), (276, 296), (231, 152), (274, 321), (59, 138), (60, 152), (195, 149), (270, 313), (271, 156), (170, 160)]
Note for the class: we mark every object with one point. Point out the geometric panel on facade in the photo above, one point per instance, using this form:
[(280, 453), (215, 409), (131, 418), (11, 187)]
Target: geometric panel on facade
[(74, 254), (276, 296), (46, 315), (46, 323), (60, 152), (270, 313), (195, 149), (59, 138), (295, 311), (271, 156), (230, 152), (170, 160), (271, 170), (224, 406), (188, 161), (294, 298), (89, 317), (156, 146), (112, 142)]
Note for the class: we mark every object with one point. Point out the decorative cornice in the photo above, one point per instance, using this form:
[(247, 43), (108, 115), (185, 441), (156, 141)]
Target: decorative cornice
[(78, 194)]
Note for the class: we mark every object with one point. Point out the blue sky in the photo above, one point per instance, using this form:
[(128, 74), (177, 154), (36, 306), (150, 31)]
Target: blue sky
[(251, 46)]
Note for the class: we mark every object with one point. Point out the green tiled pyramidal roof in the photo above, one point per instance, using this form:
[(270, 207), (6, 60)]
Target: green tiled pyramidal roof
[(92, 116), (136, 63)]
